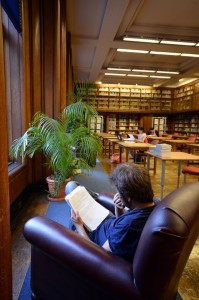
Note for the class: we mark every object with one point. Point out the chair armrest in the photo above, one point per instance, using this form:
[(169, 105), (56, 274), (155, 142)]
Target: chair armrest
[(82, 256), (106, 199)]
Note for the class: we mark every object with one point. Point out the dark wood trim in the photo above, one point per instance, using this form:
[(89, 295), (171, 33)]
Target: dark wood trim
[(5, 243)]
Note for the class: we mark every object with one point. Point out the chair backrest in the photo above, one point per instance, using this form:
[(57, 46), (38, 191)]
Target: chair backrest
[(192, 138), (166, 243), (154, 142)]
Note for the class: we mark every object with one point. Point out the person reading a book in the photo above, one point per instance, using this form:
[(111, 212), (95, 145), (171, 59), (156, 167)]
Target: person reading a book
[(133, 205)]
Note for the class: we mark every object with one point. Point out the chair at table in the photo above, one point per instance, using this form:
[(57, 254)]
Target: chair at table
[(191, 171), (185, 147), (142, 155), (64, 265)]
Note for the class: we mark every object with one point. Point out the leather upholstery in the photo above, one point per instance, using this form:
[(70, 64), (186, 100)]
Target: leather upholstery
[(66, 266)]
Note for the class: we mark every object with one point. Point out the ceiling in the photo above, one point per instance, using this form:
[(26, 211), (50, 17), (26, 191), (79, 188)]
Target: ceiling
[(97, 28)]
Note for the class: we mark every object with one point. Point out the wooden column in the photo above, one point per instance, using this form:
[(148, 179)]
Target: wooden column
[(5, 244)]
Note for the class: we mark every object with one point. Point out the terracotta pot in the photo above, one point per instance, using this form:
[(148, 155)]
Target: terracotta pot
[(51, 189)]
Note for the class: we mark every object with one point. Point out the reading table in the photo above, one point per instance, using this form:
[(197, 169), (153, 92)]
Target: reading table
[(174, 156)]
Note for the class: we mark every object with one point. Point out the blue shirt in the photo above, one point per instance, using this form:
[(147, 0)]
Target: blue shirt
[(123, 232)]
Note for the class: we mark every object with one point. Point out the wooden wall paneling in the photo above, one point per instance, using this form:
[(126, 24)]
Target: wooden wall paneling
[(27, 90), (5, 243), (36, 58), (36, 72), (48, 42), (70, 80), (63, 56), (57, 82)]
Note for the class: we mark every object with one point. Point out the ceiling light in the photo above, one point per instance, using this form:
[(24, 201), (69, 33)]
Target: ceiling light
[(133, 51), (154, 76), (140, 70), (134, 75), (197, 44), (180, 43), (165, 53), (189, 54), (118, 69), (141, 40), (168, 72), (114, 74)]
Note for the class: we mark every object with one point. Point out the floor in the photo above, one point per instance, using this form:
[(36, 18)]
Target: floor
[(38, 204)]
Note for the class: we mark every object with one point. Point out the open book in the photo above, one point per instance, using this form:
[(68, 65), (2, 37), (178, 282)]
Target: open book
[(91, 212)]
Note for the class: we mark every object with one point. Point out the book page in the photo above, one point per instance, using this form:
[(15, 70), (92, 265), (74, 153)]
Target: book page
[(91, 212)]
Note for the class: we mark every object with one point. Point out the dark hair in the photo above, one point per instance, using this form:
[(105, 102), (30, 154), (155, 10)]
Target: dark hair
[(132, 182), (140, 128)]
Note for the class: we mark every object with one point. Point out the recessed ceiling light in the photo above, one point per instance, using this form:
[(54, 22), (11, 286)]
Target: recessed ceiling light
[(133, 51), (140, 70), (154, 76), (141, 40), (165, 53), (114, 74), (167, 72), (118, 69), (180, 43), (190, 55), (134, 75)]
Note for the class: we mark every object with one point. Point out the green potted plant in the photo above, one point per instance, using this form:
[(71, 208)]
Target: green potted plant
[(67, 143)]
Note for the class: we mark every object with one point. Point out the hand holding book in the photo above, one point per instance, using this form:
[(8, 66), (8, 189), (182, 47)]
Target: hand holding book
[(91, 212)]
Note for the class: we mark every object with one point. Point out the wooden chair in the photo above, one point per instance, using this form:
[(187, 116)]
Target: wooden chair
[(185, 147), (143, 156)]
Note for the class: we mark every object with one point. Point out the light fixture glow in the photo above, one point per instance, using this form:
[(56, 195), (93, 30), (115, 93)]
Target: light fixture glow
[(133, 51), (118, 69), (190, 55), (141, 40), (140, 70), (165, 53), (154, 76), (167, 72), (114, 74), (134, 75), (180, 43)]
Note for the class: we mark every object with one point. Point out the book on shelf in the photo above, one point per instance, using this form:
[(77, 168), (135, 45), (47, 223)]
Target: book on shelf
[(91, 212)]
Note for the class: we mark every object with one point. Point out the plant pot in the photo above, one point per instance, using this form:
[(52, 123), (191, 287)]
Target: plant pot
[(51, 189)]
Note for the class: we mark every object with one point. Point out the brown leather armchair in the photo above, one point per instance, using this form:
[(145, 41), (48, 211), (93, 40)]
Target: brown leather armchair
[(66, 266)]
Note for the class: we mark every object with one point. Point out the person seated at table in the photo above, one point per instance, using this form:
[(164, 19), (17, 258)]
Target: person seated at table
[(133, 204), (153, 132), (141, 135), (142, 138)]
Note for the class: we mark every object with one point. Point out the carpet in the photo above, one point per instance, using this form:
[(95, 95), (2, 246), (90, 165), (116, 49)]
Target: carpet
[(97, 181)]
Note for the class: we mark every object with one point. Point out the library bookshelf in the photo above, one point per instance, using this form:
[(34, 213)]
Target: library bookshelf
[(122, 106)]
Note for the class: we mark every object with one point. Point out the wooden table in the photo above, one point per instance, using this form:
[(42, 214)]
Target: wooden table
[(111, 142), (132, 146), (154, 138), (181, 137), (175, 143), (104, 137), (174, 156), (193, 148)]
